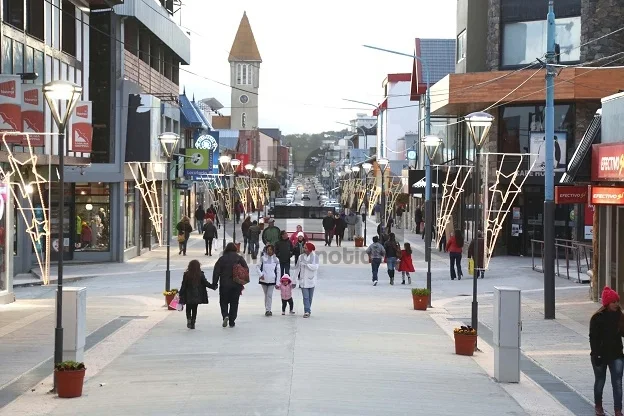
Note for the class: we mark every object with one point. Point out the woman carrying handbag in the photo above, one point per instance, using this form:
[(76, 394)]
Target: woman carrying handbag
[(193, 291)]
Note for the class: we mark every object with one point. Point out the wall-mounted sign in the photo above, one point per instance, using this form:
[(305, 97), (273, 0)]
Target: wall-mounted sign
[(537, 148), (588, 222), (197, 162), (209, 140), (570, 194), (81, 128), (32, 114), (608, 162), (11, 106), (416, 181), (607, 195)]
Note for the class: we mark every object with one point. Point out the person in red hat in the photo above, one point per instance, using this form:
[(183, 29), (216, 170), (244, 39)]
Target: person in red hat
[(605, 339), (306, 270)]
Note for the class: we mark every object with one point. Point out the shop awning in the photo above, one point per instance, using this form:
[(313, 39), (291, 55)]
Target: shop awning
[(190, 117), (581, 157)]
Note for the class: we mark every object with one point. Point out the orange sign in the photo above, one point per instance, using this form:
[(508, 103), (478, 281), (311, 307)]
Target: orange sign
[(607, 195)]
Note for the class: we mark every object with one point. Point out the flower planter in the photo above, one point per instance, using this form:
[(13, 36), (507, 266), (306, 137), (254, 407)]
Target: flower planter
[(69, 383), (359, 241), (168, 299), (420, 302), (465, 344)]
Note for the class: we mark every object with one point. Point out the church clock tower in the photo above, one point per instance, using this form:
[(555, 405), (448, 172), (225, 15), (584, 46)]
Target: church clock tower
[(245, 63)]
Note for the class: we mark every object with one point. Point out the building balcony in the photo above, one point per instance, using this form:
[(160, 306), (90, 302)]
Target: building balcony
[(150, 80)]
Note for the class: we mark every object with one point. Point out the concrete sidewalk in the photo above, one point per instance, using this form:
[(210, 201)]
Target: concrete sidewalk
[(363, 348)]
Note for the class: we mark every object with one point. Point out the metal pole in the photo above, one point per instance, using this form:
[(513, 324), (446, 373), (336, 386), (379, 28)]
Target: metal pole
[(475, 304), (365, 202), (58, 331), (168, 224), (224, 222), (549, 172), (428, 222), (232, 179)]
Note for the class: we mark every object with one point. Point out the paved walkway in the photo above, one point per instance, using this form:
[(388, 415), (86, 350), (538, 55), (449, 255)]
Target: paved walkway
[(363, 348)]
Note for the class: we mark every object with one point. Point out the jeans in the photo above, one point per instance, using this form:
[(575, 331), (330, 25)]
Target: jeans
[(288, 302), (307, 293), (455, 259), (191, 312), (329, 235), (200, 224), (616, 368), (245, 243), (391, 261), (253, 247), (285, 268), (208, 246), (183, 246), (268, 296), (228, 300), (375, 263), (351, 231)]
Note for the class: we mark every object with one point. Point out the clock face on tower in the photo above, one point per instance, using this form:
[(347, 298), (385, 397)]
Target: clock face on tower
[(244, 99)]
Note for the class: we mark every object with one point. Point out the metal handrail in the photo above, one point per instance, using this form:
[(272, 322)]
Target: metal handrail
[(574, 251)]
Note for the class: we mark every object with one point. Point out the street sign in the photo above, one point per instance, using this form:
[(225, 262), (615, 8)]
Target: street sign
[(182, 185)]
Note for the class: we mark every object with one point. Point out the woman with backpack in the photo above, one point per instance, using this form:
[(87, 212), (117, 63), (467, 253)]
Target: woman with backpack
[(393, 252), (230, 290), (455, 246), (193, 291)]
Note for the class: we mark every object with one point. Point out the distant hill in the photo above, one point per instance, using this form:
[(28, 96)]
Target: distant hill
[(305, 146)]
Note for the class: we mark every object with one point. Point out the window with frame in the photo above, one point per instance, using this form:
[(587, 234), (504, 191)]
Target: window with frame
[(525, 41), (92, 204), (461, 46), (129, 214), (244, 74), (13, 13), (244, 120), (68, 28)]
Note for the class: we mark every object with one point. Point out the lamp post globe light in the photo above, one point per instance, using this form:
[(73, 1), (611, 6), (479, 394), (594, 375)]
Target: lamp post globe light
[(56, 92), (383, 162), (235, 163), (432, 144), (367, 168), (169, 142), (479, 125)]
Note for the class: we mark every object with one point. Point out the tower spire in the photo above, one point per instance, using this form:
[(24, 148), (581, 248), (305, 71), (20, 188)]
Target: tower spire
[(244, 47)]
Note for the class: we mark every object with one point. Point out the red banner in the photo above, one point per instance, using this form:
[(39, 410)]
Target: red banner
[(244, 158), (608, 162), (607, 195), (81, 128), (11, 106), (570, 194), (32, 114)]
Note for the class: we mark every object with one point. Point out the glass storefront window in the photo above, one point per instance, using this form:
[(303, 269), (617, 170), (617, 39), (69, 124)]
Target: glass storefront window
[(129, 214), (92, 231)]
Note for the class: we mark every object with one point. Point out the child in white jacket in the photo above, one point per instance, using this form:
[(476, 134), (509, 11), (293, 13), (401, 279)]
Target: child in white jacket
[(306, 270), (268, 272)]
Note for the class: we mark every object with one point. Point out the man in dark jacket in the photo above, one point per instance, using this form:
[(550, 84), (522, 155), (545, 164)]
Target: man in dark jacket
[(329, 222), (418, 218), (271, 234), (478, 259), (210, 233), (254, 239), (245, 230), (283, 250), (229, 291), (199, 217)]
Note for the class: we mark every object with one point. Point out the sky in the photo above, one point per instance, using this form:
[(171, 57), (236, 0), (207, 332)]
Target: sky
[(312, 53)]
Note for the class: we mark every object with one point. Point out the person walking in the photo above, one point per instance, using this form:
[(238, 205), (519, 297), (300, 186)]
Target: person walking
[(418, 219), (295, 236), (245, 230), (479, 270), (339, 229), (254, 239), (376, 253), (455, 246), (199, 218), (605, 339), (350, 220), (399, 215), (285, 287), (406, 265), (193, 291), (329, 222), (283, 250), (210, 233), (271, 234), (306, 270), (211, 213), (184, 233), (393, 252), (299, 246), (267, 270), (230, 291)]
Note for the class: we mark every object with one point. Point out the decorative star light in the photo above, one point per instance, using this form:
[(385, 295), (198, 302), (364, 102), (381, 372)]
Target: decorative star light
[(450, 194), (146, 184)]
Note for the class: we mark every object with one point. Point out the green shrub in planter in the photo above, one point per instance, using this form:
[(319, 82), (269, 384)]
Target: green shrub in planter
[(69, 366), (420, 292)]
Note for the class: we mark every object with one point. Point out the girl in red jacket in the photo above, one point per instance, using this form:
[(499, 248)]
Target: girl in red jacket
[(405, 265), (454, 246)]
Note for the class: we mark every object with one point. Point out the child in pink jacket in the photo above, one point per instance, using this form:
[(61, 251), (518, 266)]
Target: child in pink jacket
[(286, 286)]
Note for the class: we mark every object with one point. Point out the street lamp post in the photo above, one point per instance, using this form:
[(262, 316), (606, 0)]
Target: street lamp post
[(383, 162), (479, 126), (224, 161), (432, 144), (249, 168), (235, 163), (258, 170), (169, 142), (54, 93), (367, 167)]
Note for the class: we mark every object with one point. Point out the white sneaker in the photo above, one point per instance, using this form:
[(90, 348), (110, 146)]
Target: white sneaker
[(375, 283)]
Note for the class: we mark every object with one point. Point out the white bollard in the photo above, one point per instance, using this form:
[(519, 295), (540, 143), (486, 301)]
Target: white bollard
[(74, 323), (507, 334)]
